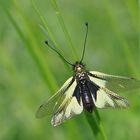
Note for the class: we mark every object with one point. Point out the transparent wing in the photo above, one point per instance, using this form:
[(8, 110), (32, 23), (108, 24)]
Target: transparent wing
[(49, 106), (108, 99), (114, 83), (69, 108)]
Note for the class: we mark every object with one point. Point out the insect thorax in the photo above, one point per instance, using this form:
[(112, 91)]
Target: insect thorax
[(80, 71)]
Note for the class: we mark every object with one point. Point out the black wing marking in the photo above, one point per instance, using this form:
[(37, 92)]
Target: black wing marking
[(93, 88), (77, 93), (114, 83)]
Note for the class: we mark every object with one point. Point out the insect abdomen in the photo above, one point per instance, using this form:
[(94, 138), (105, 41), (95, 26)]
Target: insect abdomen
[(86, 98)]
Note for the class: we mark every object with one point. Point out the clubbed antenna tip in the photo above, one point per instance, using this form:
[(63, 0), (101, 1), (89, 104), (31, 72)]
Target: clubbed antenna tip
[(46, 42), (86, 23), (51, 47)]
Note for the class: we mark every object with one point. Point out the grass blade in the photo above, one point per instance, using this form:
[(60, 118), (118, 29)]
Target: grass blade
[(36, 54), (95, 124), (68, 39)]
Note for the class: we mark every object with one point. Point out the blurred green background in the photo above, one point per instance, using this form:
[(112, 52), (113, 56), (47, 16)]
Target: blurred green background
[(30, 72)]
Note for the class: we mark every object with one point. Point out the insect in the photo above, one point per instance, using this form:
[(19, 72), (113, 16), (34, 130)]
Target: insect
[(85, 90)]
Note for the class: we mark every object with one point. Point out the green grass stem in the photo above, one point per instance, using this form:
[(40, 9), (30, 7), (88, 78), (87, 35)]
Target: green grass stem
[(67, 36), (36, 54)]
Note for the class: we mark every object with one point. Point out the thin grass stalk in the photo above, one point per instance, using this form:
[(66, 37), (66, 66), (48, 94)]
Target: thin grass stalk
[(95, 123), (44, 23), (67, 36), (47, 29), (37, 56), (96, 128)]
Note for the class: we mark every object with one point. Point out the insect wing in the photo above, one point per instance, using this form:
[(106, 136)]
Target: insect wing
[(114, 83), (68, 108), (49, 106), (108, 99)]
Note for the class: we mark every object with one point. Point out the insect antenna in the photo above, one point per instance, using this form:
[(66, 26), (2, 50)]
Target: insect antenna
[(84, 42), (47, 43)]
